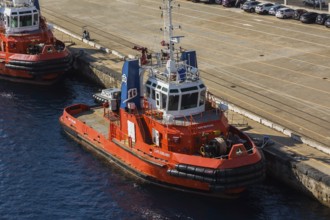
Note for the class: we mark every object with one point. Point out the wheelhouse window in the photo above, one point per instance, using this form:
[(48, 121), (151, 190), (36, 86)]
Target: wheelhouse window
[(157, 99), (189, 100), (35, 19), (173, 102), (164, 100), (25, 20), (153, 94), (148, 91), (189, 89), (14, 21), (202, 98)]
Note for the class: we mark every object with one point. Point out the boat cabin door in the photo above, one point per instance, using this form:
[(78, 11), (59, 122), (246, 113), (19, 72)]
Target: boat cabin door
[(157, 100), (155, 137)]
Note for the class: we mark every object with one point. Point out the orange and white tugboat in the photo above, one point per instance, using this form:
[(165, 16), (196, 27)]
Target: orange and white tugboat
[(165, 130), (29, 52)]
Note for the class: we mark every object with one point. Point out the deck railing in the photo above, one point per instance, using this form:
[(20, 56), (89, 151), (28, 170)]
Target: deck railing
[(185, 73)]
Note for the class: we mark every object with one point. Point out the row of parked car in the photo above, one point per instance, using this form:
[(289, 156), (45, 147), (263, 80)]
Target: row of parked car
[(281, 11)]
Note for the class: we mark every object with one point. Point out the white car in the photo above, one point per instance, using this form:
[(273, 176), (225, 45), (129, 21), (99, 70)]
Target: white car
[(284, 13), (263, 8), (250, 6), (273, 9)]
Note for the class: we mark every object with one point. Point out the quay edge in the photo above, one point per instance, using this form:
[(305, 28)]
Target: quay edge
[(282, 164)]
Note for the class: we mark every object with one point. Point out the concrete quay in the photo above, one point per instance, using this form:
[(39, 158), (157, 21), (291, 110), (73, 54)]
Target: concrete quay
[(303, 167)]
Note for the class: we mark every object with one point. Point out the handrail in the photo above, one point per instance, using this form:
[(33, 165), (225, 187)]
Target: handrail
[(191, 73)]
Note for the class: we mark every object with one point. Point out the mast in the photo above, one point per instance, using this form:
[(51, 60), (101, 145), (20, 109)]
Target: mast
[(168, 35), (169, 26)]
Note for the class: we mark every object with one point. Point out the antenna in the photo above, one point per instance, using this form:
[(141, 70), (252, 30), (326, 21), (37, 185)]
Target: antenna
[(168, 27)]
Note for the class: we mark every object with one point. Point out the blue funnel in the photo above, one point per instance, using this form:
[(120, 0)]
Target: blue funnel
[(130, 85)]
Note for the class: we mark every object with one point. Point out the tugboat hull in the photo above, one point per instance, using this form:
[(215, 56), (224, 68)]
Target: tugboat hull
[(141, 177), (37, 71), (220, 182)]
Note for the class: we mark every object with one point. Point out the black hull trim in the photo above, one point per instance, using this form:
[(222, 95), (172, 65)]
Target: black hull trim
[(142, 177), (223, 179), (42, 67)]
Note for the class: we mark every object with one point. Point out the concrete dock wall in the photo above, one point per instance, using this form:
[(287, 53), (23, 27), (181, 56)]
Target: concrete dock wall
[(100, 74), (298, 175)]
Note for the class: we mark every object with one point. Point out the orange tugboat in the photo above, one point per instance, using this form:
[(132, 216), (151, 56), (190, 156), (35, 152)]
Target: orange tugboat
[(29, 52), (167, 131)]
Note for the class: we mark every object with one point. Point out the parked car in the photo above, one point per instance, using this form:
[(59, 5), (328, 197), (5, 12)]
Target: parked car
[(321, 18), (298, 13), (273, 9), (228, 3), (314, 3), (240, 3), (327, 23), (263, 8), (219, 2), (250, 6), (285, 13), (308, 17), (232, 3)]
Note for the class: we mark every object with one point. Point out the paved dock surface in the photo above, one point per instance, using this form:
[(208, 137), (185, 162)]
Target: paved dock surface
[(278, 69)]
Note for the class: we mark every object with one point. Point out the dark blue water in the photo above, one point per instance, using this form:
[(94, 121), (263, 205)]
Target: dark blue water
[(46, 175)]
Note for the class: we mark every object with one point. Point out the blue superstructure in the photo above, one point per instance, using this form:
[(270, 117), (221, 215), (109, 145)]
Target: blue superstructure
[(130, 85)]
